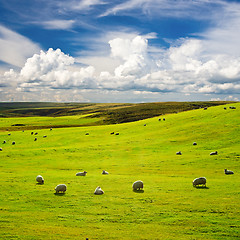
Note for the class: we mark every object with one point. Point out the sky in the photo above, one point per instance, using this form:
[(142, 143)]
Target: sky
[(119, 51)]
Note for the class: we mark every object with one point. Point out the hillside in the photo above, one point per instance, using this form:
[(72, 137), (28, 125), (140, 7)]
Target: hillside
[(95, 113), (168, 208)]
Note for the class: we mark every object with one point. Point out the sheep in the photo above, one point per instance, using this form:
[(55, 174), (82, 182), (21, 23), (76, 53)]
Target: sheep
[(227, 172), (50, 129), (35, 133), (145, 125), (164, 119), (32, 133), (225, 108), (138, 185), (61, 188), (117, 134), (205, 108), (0, 149), (81, 173), (199, 181), (86, 133), (105, 172), (98, 191), (9, 134), (35, 139), (44, 136), (4, 142), (112, 133), (194, 143), (159, 119), (40, 179), (179, 153), (214, 153), (13, 143)]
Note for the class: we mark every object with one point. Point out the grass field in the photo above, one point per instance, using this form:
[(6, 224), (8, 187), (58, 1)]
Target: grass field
[(168, 208)]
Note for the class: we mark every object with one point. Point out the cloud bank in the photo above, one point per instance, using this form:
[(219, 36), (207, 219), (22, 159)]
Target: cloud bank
[(185, 68)]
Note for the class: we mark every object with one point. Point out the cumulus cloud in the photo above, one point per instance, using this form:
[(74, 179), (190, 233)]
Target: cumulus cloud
[(187, 68)]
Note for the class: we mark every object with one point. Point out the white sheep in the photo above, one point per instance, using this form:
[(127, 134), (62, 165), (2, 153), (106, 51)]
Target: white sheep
[(40, 179), (179, 153), (194, 143), (138, 185), (81, 173), (98, 191), (60, 188), (199, 181), (228, 172), (214, 153), (105, 172)]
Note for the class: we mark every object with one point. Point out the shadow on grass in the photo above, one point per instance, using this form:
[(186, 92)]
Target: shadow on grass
[(59, 194), (138, 191), (202, 187), (39, 183)]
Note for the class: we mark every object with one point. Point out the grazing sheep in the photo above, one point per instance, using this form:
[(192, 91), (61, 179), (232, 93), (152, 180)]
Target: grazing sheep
[(232, 107), (0, 149), (86, 133), (214, 153), (40, 179), (4, 142), (138, 185), (159, 119), (81, 173), (179, 153), (105, 172), (227, 172), (225, 108), (44, 136), (194, 143), (9, 134), (60, 188), (163, 119), (117, 134), (145, 125), (98, 191), (205, 108), (112, 133), (32, 133), (199, 181), (35, 139), (13, 143), (35, 133), (50, 129)]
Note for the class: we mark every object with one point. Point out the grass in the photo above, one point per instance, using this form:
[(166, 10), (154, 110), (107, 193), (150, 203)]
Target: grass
[(169, 207)]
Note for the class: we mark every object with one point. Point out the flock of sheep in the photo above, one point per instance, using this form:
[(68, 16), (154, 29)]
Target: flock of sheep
[(138, 185)]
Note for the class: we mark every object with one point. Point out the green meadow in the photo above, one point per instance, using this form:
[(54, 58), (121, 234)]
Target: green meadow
[(169, 207)]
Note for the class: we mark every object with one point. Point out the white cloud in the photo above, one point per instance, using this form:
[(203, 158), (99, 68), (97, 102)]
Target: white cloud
[(15, 48), (57, 24)]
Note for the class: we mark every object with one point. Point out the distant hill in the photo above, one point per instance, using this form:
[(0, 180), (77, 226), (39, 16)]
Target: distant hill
[(109, 113)]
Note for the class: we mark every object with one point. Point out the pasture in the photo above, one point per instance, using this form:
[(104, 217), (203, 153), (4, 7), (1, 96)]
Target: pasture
[(168, 208)]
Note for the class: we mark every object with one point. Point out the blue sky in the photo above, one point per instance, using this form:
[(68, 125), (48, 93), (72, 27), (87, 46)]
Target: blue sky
[(119, 51)]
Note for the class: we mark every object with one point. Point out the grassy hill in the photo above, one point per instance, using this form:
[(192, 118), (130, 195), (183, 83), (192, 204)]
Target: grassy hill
[(86, 114), (168, 208)]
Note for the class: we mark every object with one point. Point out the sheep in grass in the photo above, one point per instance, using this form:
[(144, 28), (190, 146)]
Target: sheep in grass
[(179, 153), (4, 142), (138, 185), (98, 191), (228, 172), (61, 188), (194, 143), (200, 181), (81, 173), (105, 172), (13, 143), (40, 179), (214, 153), (35, 139), (0, 149)]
